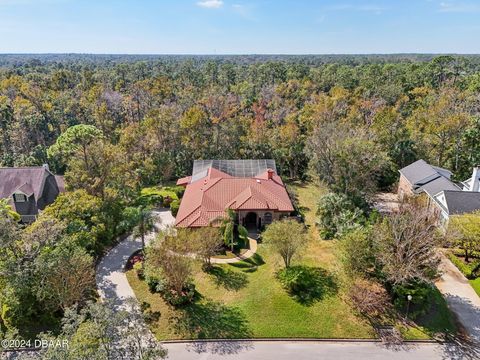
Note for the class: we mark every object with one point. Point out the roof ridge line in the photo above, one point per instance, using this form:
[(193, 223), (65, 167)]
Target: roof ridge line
[(273, 195)]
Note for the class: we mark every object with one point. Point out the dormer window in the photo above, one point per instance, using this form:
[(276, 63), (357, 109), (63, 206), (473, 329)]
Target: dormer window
[(19, 198)]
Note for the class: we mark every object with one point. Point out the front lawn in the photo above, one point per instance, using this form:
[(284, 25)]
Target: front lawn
[(476, 285), (246, 300)]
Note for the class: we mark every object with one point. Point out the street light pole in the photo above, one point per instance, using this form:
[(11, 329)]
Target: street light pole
[(409, 298)]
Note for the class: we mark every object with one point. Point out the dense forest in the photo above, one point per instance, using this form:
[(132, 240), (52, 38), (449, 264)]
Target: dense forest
[(116, 124), (157, 115)]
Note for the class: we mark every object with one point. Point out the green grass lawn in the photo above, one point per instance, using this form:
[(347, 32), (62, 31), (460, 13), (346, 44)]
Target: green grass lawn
[(245, 300), (476, 285), (438, 319)]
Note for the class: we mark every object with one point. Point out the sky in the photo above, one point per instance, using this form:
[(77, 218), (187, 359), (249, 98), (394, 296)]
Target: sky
[(239, 26)]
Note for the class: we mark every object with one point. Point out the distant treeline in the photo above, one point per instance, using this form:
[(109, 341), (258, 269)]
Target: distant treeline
[(15, 60)]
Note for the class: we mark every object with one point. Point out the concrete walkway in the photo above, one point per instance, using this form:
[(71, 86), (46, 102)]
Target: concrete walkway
[(248, 254), (461, 298), (112, 283)]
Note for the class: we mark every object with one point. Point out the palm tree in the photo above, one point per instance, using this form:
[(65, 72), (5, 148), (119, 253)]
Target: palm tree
[(146, 224), (7, 211), (228, 228)]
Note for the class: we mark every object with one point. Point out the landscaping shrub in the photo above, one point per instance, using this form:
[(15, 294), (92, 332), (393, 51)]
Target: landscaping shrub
[(422, 296), (179, 191), (369, 298), (159, 285), (357, 252), (337, 215), (174, 206), (138, 269), (461, 253), (470, 270), (160, 196), (150, 197), (179, 299), (153, 283)]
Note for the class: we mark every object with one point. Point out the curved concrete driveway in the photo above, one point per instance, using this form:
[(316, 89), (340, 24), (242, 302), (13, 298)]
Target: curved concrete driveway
[(112, 283)]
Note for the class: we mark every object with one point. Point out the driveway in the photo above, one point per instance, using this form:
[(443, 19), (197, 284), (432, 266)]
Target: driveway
[(461, 298), (112, 283), (288, 350)]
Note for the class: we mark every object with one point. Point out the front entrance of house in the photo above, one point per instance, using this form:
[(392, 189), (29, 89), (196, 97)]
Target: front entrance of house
[(251, 221)]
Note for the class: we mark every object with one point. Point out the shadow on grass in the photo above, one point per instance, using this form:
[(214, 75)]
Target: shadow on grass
[(228, 279), (437, 319), (149, 316), (249, 265), (307, 284), (211, 320)]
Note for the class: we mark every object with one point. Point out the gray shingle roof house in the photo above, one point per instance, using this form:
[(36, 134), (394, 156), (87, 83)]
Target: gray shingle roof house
[(449, 197), (29, 189)]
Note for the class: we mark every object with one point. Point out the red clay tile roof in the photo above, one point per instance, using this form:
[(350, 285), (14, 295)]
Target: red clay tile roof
[(184, 181), (208, 198)]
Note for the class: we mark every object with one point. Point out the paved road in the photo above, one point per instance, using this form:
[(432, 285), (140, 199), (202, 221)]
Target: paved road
[(461, 298), (111, 280), (307, 351)]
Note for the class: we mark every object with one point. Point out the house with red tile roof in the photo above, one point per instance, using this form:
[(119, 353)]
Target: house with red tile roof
[(251, 188)]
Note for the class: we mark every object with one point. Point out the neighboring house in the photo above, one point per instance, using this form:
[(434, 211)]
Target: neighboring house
[(251, 188), (29, 189), (444, 196)]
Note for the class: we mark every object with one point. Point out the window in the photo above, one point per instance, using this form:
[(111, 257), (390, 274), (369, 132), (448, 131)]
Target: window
[(19, 198), (267, 218)]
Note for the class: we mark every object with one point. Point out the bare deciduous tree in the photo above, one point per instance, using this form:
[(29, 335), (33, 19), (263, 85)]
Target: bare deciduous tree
[(406, 244), (370, 299)]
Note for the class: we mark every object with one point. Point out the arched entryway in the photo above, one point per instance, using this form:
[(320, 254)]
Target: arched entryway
[(251, 221)]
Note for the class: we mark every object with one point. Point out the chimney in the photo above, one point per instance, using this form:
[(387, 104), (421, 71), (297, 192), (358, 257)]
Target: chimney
[(475, 184), (270, 173)]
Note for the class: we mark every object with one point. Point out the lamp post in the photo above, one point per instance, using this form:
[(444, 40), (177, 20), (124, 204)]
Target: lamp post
[(409, 298)]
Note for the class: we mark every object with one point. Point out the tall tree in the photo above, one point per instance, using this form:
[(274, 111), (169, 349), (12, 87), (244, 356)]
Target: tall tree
[(464, 232), (406, 243), (286, 238)]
